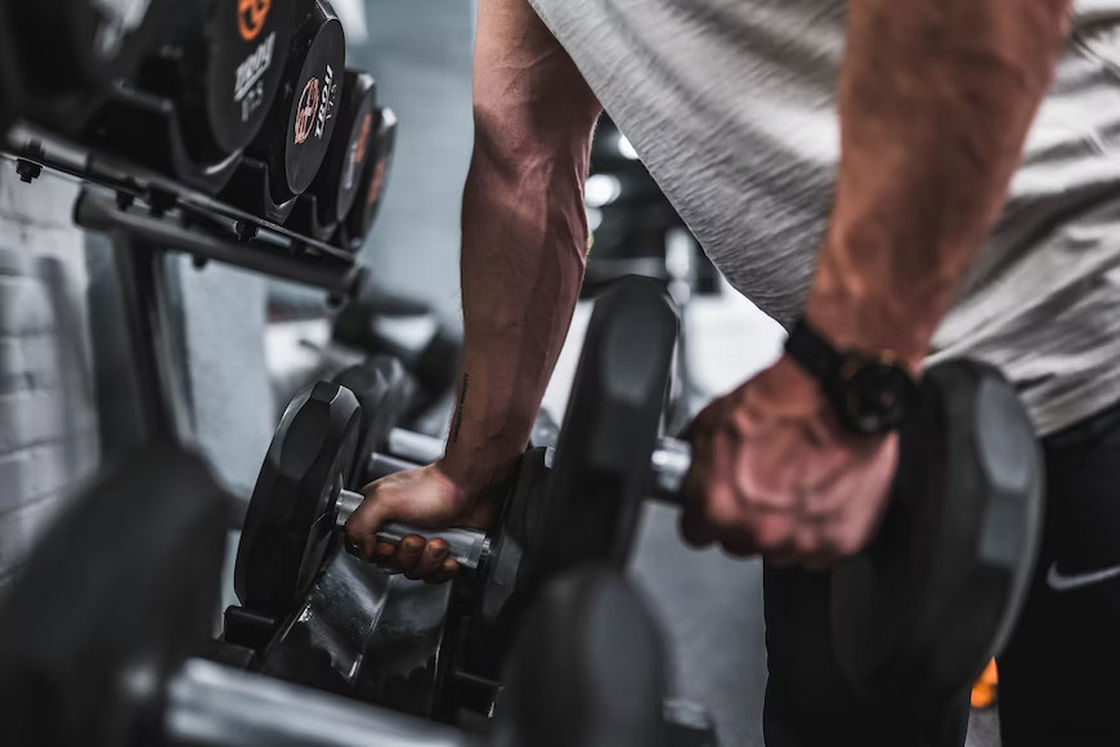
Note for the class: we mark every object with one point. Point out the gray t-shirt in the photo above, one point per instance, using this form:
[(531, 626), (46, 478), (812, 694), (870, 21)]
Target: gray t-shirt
[(730, 105)]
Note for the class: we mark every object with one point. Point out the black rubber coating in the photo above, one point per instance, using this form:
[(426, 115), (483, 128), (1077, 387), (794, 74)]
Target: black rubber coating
[(340, 177), (289, 525), (384, 391), (368, 201), (602, 464), (917, 615), (118, 592), (245, 66), (60, 59), (589, 667)]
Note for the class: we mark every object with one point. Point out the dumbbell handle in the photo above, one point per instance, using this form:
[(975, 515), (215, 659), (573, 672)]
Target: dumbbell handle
[(469, 547), (670, 460)]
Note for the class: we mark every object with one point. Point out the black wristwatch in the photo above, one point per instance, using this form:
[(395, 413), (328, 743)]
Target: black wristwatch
[(871, 392)]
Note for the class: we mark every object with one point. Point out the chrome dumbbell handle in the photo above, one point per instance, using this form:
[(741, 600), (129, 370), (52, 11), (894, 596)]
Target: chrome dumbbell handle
[(670, 463), (467, 547)]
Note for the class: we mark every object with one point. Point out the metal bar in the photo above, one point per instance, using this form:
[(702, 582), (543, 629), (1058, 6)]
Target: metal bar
[(159, 376), (102, 214), (467, 547), (211, 704), (415, 447)]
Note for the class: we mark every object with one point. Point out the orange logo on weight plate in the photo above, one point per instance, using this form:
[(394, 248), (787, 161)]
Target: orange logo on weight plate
[(307, 109), (363, 139), (251, 15)]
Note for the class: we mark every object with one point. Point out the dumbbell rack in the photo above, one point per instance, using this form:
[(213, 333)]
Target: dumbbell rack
[(121, 197), (148, 214)]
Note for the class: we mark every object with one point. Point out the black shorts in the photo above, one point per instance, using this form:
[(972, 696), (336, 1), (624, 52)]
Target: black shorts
[(1059, 678)]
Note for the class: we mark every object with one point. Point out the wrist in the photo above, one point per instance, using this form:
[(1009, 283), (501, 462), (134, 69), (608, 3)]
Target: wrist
[(865, 325), (478, 467)]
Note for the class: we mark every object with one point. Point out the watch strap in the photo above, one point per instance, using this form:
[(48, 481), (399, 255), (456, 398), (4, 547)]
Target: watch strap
[(813, 353)]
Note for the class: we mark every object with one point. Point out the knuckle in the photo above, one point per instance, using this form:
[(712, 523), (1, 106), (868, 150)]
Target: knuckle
[(772, 532)]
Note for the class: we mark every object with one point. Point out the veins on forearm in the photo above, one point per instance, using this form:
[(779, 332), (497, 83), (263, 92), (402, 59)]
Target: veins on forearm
[(935, 101)]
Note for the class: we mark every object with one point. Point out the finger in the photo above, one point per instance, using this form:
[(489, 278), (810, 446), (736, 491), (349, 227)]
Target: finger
[(431, 559), (409, 553), (447, 572), (361, 528)]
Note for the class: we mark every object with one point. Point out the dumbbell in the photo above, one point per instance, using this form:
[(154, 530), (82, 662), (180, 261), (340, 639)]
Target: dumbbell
[(377, 321), (470, 548), (222, 64), (957, 543), (60, 59), (372, 182), (596, 480), (340, 177), (920, 611), (297, 130), (107, 657)]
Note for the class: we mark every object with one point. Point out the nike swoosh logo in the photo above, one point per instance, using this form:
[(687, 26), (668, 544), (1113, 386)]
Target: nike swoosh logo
[(1059, 582)]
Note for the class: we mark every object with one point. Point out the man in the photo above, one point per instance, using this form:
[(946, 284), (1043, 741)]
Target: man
[(879, 235)]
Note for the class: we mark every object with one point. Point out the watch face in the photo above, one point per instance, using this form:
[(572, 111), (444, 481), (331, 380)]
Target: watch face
[(876, 396)]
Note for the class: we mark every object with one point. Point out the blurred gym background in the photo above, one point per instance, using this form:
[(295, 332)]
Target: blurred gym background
[(250, 342)]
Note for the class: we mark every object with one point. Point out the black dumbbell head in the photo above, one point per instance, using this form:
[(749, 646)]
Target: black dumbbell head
[(917, 615), (372, 186), (289, 525), (610, 430), (244, 66), (589, 668), (384, 391), (298, 130), (60, 58), (121, 589), (340, 176)]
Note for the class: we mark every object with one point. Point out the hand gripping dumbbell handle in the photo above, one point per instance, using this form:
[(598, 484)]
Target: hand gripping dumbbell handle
[(469, 547)]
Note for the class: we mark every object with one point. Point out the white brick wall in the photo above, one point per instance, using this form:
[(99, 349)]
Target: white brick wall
[(48, 424)]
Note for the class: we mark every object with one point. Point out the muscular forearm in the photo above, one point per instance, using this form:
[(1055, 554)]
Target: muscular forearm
[(935, 100), (525, 233)]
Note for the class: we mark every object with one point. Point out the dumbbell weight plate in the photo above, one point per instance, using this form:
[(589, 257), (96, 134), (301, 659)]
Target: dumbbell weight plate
[(298, 129), (340, 177), (918, 614), (579, 504), (118, 592), (368, 200), (222, 70), (602, 465), (245, 66), (384, 391), (290, 523), (61, 57)]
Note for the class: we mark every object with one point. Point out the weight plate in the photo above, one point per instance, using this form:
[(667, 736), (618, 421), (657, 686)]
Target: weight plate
[(917, 615), (248, 40), (589, 668), (62, 57), (289, 525), (341, 174), (297, 130), (86, 41), (311, 117), (116, 595), (602, 464), (384, 391), (368, 201)]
